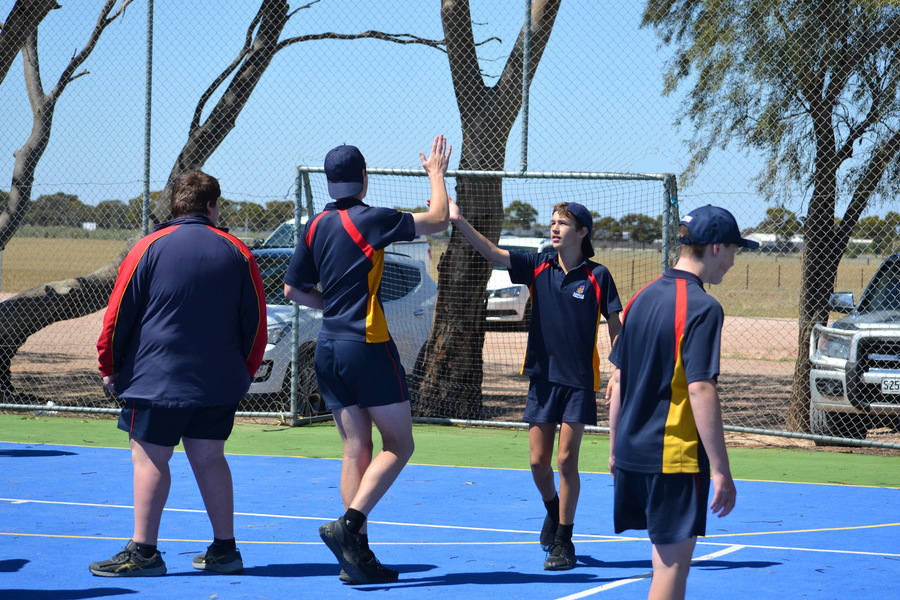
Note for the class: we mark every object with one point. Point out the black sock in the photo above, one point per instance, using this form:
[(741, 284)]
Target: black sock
[(222, 546), (146, 550), (564, 533), (552, 507), (354, 520)]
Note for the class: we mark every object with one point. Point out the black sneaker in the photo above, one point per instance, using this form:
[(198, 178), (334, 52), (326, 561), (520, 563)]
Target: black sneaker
[(548, 532), (561, 557), (227, 562), (377, 572), (130, 563), (345, 547)]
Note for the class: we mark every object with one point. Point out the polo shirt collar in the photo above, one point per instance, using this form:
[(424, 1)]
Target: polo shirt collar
[(344, 203), (554, 258), (679, 274), (193, 219)]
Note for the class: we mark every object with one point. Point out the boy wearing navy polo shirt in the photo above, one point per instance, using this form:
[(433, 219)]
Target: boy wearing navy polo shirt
[(569, 294), (358, 367), (664, 414)]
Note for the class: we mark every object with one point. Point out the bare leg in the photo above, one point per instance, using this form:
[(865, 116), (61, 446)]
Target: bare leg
[(671, 565), (152, 481), (394, 423), (540, 448), (570, 435), (213, 475), (355, 427)]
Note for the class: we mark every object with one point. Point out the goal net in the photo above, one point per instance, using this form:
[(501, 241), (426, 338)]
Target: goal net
[(635, 220)]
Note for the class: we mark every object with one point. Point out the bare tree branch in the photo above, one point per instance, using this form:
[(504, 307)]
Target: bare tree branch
[(22, 22)]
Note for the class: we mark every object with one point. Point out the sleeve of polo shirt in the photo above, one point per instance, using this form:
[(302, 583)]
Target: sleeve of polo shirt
[(393, 226), (609, 295), (302, 272), (522, 266), (702, 343)]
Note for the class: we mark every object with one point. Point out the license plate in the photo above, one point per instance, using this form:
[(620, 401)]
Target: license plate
[(890, 386)]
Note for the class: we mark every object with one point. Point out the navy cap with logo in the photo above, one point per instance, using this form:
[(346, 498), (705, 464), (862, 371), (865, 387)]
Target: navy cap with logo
[(586, 220), (344, 168), (713, 225)]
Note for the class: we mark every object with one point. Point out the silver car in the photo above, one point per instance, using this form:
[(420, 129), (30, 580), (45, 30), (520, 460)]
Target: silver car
[(407, 293)]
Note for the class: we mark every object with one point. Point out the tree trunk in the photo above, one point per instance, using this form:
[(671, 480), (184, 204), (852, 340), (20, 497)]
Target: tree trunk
[(27, 313), (448, 375)]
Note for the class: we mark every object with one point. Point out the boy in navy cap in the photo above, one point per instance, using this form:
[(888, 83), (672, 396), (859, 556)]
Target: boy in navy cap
[(358, 367), (664, 414), (569, 295)]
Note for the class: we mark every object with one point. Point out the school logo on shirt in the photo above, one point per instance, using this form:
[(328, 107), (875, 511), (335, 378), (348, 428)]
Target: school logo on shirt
[(579, 291)]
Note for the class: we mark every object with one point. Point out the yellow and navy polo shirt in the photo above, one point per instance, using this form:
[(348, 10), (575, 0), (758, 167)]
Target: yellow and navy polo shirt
[(343, 248), (670, 337)]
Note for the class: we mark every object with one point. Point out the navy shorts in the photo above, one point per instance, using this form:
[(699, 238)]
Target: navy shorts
[(165, 426), (554, 403), (672, 507), (359, 374)]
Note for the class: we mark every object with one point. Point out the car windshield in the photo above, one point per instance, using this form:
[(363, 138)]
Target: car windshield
[(283, 237), (884, 291)]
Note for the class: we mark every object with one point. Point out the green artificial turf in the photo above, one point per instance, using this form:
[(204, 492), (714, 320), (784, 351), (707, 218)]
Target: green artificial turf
[(465, 446)]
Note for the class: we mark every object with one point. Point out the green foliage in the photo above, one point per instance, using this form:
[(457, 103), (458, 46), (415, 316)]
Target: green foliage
[(607, 228), (780, 221), (641, 228), (519, 216), (810, 84)]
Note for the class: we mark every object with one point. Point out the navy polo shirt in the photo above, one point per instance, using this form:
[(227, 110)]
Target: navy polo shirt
[(565, 317), (343, 248), (670, 337)]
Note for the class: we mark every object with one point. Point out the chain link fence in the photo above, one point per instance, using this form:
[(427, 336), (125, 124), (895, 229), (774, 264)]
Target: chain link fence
[(98, 121)]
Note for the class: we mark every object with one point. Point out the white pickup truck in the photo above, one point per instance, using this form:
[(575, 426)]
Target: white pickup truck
[(855, 375)]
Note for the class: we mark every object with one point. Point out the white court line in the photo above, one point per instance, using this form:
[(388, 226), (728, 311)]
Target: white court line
[(644, 576), (296, 517), (585, 538)]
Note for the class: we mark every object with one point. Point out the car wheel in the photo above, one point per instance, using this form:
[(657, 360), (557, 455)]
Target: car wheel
[(844, 425)]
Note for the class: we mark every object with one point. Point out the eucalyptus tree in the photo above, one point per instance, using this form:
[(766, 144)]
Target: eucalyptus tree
[(811, 84)]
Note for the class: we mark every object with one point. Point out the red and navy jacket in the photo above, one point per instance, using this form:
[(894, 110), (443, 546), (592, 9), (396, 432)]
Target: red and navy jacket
[(342, 248), (670, 337), (565, 317), (186, 321)]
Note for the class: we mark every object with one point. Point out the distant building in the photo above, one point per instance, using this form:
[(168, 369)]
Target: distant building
[(770, 242)]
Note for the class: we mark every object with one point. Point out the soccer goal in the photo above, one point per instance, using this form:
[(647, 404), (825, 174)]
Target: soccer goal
[(635, 222)]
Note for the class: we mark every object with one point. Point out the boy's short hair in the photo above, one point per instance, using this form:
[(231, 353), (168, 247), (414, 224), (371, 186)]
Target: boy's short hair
[(192, 192), (695, 250)]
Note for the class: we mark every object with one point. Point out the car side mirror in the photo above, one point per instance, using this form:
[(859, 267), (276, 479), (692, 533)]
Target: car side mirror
[(842, 302)]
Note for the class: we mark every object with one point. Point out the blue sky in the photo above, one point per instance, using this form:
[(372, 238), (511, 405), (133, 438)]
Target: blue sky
[(596, 103)]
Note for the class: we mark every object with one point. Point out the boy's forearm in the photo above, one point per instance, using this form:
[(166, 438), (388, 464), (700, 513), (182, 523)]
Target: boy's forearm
[(485, 247)]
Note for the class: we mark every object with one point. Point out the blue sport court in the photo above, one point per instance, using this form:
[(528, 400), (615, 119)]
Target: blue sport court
[(452, 532)]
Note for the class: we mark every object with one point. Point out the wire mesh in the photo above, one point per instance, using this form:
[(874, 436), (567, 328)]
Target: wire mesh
[(726, 97)]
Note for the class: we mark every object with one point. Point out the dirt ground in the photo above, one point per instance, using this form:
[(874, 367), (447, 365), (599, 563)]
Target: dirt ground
[(59, 363)]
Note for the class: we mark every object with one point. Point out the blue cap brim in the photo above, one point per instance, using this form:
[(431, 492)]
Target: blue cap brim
[(344, 189)]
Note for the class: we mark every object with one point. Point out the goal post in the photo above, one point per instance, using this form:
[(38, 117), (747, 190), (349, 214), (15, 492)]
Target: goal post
[(635, 223)]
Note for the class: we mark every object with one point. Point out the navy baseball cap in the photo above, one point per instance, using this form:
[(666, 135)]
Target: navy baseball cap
[(586, 220), (344, 168), (713, 225)]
